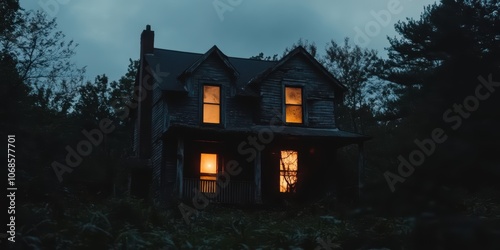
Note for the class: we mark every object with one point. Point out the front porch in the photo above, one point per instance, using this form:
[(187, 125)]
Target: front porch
[(264, 175)]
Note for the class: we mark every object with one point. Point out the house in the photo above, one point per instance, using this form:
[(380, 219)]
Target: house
[(235, 130)]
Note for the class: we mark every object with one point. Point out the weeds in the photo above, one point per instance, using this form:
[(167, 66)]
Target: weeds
[(133, 224)]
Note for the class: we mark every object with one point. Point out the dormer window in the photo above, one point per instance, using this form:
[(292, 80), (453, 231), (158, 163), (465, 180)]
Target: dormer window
[(293, 105), (211, 104)]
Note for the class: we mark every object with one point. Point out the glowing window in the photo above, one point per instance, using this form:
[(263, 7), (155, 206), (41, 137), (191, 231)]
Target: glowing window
[(208, 172), (293, 105), (288, 170), (211, 104)]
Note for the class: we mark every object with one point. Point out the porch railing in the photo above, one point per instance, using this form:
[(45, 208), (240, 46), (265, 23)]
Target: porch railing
[(236, 192)]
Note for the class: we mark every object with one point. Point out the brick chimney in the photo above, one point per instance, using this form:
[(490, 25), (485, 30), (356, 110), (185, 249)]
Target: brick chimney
[(145, 105), (147, 40)]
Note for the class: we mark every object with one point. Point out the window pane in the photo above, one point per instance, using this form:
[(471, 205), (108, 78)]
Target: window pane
[(211, 113), (289, 160), (208, 163), (293, 95), (287, 182), (211, 94), (293, 114), (288, 170), (208, 170)]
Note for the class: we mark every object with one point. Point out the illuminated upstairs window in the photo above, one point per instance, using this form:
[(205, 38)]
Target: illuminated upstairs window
[(293, 105), (211, 104)]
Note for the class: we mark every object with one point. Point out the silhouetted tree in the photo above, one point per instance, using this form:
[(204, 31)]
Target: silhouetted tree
[(357, 69), (261, 56), (440, 60), (309, 46), (43, 58)]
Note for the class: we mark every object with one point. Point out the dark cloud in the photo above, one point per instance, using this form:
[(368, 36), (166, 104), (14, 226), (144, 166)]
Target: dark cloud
[(108, 31)]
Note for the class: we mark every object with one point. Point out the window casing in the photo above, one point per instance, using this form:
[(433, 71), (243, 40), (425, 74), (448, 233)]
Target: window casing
[(211, 104), (294, 108)]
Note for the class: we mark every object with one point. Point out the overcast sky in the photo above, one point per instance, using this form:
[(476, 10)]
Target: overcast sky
[(108, 31)]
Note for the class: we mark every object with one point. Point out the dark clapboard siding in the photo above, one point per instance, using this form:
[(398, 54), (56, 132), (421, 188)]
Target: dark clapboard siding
[(317, 90), (186, 110), (157, 127)]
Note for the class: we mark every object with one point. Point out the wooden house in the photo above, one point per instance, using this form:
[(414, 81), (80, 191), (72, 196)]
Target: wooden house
[(233, 129)]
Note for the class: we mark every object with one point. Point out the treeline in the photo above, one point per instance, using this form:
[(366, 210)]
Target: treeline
[(48, 105)]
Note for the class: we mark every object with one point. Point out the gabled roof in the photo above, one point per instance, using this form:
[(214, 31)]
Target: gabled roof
[(175, 63), (171, 67), (309, 57), (213, 51)]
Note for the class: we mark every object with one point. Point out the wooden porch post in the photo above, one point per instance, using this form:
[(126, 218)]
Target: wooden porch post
[(258, 180), (180, 165), (361, 168)]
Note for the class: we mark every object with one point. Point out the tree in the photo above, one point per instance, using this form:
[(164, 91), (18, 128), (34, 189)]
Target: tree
[(443, 56), (358, 69), (14, 95), (43, 59), (308, 46), (122, 90), (261, 56), (9, 11), (94, 102), (441, 60)]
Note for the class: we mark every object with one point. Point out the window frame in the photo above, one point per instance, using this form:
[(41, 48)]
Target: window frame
[(221, 103), (302, 105)]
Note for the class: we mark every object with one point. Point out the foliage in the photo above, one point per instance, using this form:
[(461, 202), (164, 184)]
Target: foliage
[(358, 70), (438, 61), (308, 46), (9, 11), (43, 58), (127, 223), (261, 56)]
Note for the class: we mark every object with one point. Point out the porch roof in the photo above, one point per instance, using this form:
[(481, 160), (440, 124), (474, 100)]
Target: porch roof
[(284, 131), (314, 132)]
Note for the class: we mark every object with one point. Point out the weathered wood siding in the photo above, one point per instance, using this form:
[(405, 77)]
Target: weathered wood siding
[(186, 109), (318, 93), (157, 129)]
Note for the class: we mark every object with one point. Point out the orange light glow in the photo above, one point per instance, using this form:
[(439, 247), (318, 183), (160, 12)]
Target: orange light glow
[(293, 95), (211, 104), (293, 105), (293, 114), (208, 163), (288, 170), (208, 170)]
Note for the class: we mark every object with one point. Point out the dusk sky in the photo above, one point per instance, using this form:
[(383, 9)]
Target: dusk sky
[(108, 32)]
